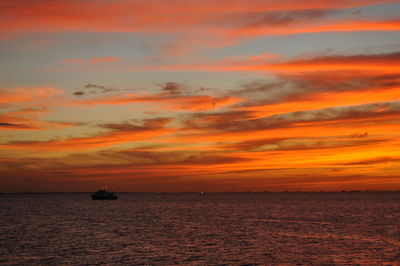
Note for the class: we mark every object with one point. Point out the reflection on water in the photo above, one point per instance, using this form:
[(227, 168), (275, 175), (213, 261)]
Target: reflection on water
[(230, 228)]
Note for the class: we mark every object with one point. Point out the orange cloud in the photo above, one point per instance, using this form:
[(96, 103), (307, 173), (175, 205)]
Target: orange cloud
[(190, 24), (385, 63), (29, 119), (332, 26), (94, 60), (171, 102), (38, 15), (107, 59), (319, 100), (124, 133), (305, 169), (25, 106), (73, 61), (27, 94), (330, 127), (375, 62)]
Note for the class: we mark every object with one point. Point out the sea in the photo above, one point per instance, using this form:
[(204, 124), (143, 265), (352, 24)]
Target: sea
[(288, 228)]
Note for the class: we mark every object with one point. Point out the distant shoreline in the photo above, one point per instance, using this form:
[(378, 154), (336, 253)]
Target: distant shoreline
[(227, 192)]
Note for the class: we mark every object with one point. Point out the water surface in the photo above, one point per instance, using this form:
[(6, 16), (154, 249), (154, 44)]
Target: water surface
[(210, 228)]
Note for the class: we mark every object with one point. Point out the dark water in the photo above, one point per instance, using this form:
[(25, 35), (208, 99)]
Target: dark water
[(195, 229)]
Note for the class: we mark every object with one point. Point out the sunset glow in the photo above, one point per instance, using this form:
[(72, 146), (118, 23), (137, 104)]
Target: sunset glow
[(172, 96)]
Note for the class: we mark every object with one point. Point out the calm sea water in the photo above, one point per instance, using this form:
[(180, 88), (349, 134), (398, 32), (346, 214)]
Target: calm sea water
[(195, 229)]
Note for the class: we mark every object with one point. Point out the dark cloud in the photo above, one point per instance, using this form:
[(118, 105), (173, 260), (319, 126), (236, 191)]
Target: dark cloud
[(94, 86), (173, 157), (172, 88), (49, 174), (104, 139), (324, 144), (284, 18), (276, 18), (11, 125), (383, 81), (354, 59), (356, 12), (79, 93), (100, 88), (221, 117), (303, 86), (263, 92), (111, 159), (223, 122), (290, 144), (363, 135), (377, 160), (254, 144)]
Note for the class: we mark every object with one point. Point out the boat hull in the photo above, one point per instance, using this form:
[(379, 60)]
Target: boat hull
[(104, 198)]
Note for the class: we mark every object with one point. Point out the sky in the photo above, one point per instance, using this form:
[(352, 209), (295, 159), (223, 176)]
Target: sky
[(190, 95)]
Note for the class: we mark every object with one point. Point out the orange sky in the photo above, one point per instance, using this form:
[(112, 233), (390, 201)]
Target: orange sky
[(199, 96)]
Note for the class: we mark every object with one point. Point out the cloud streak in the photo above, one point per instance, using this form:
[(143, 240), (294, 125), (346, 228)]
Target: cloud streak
[(120, 133), (210, 24), (115, 15), (172, 97), (118, 105), (384, 63)]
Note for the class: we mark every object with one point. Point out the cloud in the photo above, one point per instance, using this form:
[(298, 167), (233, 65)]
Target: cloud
[(123, 163), (378, 160), (100, 88), (181, 158), (73, 61), (308, 82), (93, 60), (188, 103), (374, 62), (94, 89), (186, 22), (172, 88), (324, 26), (107, 59), (135, 171), (147, 124), (94, 86), (387, 63), (11, 126), (277, 18), (26, 94), (29, 119), (173, 96), (38, 16), (325, 121), (296, 119), (356, 12), (301, 144), (363, 135), (120, 133)]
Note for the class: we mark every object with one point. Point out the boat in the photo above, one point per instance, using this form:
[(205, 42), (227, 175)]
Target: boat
[(104, 194)]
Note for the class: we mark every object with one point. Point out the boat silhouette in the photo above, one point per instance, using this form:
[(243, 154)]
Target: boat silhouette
[(104, 194)]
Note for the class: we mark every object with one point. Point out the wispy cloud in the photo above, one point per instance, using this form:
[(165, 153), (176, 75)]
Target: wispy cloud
[(210, 24), (93, 60), (29, 119), (26, 94), (385, 63), (107, 59), (171, 97), (119, 133)]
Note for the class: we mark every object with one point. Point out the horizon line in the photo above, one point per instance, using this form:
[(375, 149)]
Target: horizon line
[(205, 192)]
